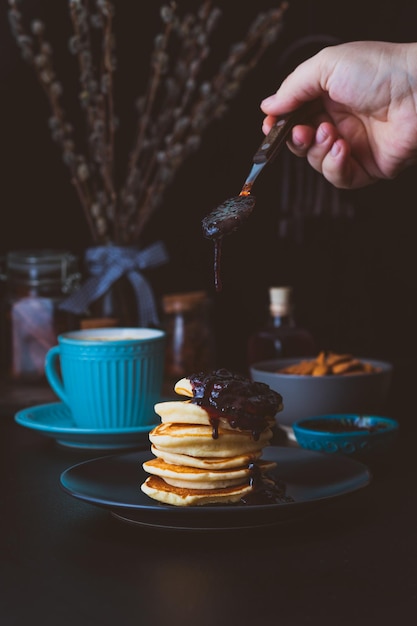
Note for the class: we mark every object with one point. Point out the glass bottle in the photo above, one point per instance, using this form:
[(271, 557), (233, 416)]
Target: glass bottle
[(34, 283), (281, 337), (189, 335)]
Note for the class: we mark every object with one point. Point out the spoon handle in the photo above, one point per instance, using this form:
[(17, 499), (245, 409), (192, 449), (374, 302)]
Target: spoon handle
[(277, 136)]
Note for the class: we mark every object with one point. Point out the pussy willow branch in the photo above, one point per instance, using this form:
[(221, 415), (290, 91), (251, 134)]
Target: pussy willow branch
[(200, 104), (173, 113), (136, 181), (165, 135), (96, 98)]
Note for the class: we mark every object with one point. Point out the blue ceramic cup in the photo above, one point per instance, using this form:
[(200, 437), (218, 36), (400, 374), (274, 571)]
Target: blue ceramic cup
[(110, 378)]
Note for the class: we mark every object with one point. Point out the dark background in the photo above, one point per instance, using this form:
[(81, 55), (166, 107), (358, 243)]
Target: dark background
[(354, 278)]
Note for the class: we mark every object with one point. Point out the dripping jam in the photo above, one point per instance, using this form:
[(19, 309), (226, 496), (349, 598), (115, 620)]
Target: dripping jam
[(225, 219), (266, 489)]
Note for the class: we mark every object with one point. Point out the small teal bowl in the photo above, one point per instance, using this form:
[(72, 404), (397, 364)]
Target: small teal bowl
[(351, 434)]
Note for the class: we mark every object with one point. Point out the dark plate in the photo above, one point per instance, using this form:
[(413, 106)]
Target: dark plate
[(311, 478)]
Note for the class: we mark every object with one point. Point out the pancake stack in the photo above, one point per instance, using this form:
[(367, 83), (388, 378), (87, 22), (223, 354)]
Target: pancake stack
[(208, 448)]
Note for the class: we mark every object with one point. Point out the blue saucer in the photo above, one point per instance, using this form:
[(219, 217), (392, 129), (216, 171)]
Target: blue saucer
[(55, 420)]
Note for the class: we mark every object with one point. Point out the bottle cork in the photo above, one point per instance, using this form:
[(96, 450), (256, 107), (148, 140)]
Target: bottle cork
[(280, 300)]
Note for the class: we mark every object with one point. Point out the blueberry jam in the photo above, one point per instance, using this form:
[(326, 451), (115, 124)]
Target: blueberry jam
[(247, 405)]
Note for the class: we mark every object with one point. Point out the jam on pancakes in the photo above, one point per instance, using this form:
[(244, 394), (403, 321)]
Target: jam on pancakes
[(246, 404)]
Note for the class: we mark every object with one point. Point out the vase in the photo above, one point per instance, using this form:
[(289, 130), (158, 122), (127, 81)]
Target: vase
[(116, 292), (116, 307)]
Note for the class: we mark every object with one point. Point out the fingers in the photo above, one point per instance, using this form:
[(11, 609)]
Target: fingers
[(268, 123), (313, 143), (321, 140), (332, 159), (302, 138), (342, 170), (329, 154)]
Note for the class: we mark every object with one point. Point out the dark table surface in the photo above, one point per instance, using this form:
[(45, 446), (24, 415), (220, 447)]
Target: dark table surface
[(68, 562)]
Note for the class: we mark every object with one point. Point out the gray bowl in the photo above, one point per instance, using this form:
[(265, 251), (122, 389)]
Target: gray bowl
[(306, 396)]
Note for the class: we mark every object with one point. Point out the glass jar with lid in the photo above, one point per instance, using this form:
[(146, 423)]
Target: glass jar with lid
[(189, 334), (34, 283)]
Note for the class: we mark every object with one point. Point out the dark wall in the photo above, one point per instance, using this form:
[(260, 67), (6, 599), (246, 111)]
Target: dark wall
[(354, 278)]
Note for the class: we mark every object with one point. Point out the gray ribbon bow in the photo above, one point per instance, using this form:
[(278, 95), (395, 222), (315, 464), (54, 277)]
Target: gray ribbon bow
[(106, 264)]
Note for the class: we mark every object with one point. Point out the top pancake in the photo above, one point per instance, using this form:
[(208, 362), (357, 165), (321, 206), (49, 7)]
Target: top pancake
[(185, 412)]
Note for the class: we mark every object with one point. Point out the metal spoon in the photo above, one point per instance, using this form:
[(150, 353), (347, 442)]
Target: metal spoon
[(229, 215)]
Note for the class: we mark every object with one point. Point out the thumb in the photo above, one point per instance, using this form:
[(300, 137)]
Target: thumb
[(306, 83)]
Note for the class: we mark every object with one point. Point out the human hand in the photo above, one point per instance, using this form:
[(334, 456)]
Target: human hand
[(364, 126)]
